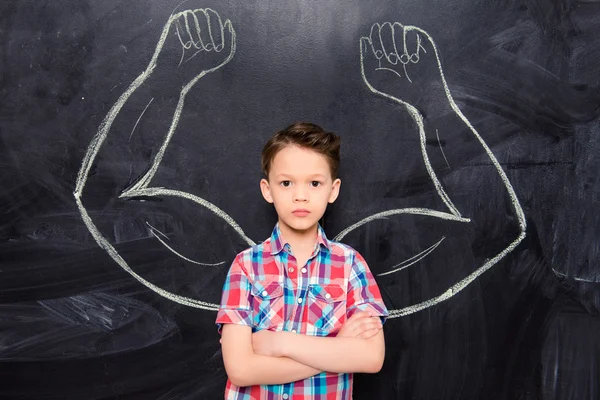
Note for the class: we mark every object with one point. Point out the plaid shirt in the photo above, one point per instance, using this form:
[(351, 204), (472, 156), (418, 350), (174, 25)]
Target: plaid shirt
[(266, 289)]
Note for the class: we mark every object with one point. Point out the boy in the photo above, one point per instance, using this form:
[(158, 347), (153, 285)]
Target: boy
[(299, 313)]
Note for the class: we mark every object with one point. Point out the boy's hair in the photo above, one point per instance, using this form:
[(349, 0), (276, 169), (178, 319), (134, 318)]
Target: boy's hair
[(308, 136)]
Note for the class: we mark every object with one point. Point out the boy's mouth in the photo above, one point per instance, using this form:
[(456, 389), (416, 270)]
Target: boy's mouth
[(301, 212)]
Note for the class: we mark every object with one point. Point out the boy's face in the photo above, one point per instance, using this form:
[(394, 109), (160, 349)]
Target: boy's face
[(300, 186)]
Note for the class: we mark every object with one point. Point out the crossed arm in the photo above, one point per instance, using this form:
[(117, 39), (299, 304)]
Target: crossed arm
[(268, 358)]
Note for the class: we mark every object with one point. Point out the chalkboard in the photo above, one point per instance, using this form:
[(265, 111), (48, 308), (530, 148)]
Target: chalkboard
[(131, 136)]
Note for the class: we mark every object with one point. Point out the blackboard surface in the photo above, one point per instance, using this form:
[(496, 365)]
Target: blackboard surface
[(130, 168)]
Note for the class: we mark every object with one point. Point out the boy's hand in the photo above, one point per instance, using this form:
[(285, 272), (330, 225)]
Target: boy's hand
[(361, 325)]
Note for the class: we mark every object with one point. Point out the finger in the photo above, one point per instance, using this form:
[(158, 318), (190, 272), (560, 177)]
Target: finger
[(180, 31), (409, 55), (397, 36), (354, 327), (400, 40), (387, 43), (366, 51), (370, 323), (414, 45), (375, 41), (369, 55), (204, 17), (202, 32), (369, 333), (229, 38), (351, 327), (190, 24), (215, 29)]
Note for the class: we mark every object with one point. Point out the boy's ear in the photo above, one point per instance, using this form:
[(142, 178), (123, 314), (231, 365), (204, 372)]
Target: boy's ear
[(265, 189), (335, 190)]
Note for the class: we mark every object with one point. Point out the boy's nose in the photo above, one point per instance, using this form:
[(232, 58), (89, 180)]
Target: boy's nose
[(300, 195)]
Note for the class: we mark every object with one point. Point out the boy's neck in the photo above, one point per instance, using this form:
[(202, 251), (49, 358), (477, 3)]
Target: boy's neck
[(299, 240)]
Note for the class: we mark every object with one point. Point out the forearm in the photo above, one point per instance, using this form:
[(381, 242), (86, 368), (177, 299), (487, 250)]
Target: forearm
[(453, 146), (256, 369), (336, 354)]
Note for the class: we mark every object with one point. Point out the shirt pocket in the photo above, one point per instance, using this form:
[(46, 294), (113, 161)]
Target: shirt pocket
[(267, 305), (327, 307)]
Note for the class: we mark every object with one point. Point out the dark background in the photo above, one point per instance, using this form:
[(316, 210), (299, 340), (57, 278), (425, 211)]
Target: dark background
[(75, 325)]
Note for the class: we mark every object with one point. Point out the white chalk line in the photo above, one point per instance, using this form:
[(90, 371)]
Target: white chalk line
[(153, 231), (158, 231), (389, 69), (559, 274), (141, 187), (441, 149), (364, 43), (414, 259), (140, 117), (576, 278), (389, 213)]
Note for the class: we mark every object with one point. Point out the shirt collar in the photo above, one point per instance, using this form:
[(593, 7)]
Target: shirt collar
[(278, 242)]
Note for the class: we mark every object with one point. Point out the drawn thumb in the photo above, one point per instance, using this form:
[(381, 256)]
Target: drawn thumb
[(229, 35)]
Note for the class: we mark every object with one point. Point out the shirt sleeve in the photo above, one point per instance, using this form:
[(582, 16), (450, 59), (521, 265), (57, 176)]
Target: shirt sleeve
[(363, 292), (236, 299)]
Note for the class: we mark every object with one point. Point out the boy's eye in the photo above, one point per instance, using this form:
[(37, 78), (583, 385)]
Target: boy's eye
[(286, 183), (315, 183)]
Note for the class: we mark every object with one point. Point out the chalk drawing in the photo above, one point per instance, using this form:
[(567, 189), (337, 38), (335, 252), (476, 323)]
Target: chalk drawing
[(186, 26), (414, 259), (389, 53), (577, 279), (154, 232)]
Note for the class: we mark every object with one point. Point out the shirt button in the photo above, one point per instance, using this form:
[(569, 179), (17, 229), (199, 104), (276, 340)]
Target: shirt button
[(300, 300), (291, 269), (264, 293), (327, 296), (303, 270), (285, 396)]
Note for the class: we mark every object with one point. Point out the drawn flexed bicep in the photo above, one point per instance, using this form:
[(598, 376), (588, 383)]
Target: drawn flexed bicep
[(403, 64), (470, 208), (193, 43)]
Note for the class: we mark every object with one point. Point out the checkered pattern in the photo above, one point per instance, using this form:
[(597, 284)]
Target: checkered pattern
[(266, 289)]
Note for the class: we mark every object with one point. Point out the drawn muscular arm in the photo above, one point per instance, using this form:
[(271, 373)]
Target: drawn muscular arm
[(193, 44), (402, 64)]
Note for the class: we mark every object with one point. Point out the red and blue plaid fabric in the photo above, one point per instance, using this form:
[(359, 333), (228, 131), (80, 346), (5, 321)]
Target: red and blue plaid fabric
[(266, 289)]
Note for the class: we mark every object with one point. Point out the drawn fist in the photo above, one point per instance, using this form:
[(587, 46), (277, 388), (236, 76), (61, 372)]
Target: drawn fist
[(192, 44), (402, 62)]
